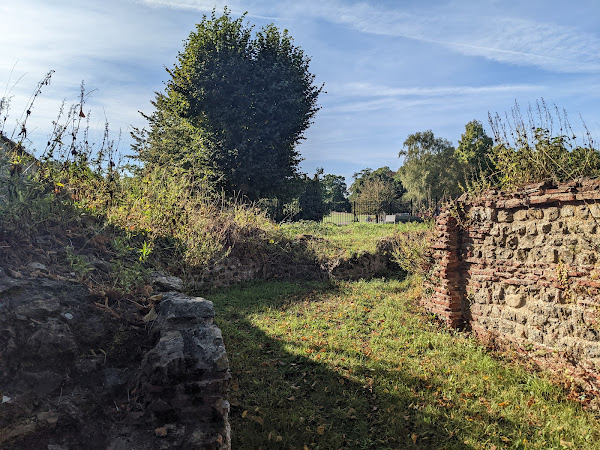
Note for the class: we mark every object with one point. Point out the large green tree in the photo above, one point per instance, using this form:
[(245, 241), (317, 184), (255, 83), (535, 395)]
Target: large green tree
[(334, 189), (385, 175), (376, 196), (474, 146), (234, 109), (430, 170)]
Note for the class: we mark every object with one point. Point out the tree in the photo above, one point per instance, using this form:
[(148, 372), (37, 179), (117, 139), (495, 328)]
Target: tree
[(335, 191), (474, 151), (234, 109), (376, 196), (383, 174), (430, 169), (311, 200), (474, 146)]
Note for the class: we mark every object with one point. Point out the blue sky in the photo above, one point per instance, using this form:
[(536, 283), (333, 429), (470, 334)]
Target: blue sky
[(390, 68)]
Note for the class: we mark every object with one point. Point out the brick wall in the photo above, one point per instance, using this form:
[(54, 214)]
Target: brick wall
[(525, 267)]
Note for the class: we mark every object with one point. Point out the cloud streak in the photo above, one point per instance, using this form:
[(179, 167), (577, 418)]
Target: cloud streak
[(496, 37), (358, 97), (500, 38)]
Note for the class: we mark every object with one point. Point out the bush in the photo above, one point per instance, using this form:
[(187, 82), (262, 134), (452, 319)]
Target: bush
[(411, 250)]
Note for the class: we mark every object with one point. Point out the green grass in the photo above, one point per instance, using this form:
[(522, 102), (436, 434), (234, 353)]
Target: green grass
[(328, 240), (357, 365)]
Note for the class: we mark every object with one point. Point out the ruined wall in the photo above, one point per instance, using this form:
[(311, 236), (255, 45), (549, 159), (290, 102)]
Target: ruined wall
[(235, 269), (80, 371), (524, 267)]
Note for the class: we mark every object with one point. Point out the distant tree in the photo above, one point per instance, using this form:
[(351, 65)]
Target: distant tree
[(359, 181), (430, 169), (234, 108), (474, 146), (335, 192), (376, 196), (474, 153), (311, 199), (383, 174)]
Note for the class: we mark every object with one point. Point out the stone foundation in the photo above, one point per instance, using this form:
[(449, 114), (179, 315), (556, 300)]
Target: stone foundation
[(238, 269)]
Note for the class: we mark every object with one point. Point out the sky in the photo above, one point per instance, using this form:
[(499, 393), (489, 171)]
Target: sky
[(390, 68)]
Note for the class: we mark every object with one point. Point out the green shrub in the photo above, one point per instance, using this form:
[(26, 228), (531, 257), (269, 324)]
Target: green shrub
[(411, 250)]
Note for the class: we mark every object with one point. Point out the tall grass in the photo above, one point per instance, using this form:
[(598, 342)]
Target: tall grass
[(540, 146), (73, 179)]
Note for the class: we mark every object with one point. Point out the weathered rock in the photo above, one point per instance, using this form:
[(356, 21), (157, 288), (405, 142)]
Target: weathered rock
[(53, 339), (70, 366), (515, 301), (42, 383), (188, 367), (163, 282), (37, 266), (180, 310)]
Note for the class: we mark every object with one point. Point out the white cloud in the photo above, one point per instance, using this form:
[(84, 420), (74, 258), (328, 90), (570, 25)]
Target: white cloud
[(360, 89), (203, 6), (500, 38), (356, 97), (497, 36)]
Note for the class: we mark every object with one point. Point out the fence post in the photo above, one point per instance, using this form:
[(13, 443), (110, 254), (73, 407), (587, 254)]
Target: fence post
[(354, 210), (412, 211)]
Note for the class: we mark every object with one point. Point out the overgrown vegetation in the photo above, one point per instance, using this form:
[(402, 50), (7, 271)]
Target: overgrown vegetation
[(359, 365), (542, 146), (161, 216), (412, 250)]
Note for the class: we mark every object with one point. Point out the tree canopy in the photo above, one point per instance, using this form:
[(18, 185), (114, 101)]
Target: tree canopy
[(384, 175), (430, 169), (334, 189), (474, 146), (234, 109)]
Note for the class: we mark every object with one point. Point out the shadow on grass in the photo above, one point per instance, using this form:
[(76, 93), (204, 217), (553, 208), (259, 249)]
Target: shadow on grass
[(284, 400)]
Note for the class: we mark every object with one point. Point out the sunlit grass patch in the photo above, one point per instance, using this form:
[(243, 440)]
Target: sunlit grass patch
[(329, 240), (359, 365)]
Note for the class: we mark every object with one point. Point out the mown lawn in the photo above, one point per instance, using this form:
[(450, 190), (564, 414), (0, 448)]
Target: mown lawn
[(329, 240), (358, 365)]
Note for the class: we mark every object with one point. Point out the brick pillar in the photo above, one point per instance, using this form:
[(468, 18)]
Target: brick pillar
[(444, 294)]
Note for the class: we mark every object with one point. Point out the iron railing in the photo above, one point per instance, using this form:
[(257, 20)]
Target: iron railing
[(343, 213)]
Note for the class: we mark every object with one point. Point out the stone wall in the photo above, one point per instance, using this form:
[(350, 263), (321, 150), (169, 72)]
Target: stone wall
[(185, 377), (236, 269), (525, 267), (78, 370)]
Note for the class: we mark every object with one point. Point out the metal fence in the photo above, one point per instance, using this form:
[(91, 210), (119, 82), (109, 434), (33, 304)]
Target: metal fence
[(343, 213), (377, 212)]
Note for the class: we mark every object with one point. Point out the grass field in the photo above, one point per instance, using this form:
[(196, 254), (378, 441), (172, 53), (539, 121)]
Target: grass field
[(329, 240), (359, 365)]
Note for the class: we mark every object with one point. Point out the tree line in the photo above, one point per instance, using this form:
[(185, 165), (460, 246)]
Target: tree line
[(238, 101)]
